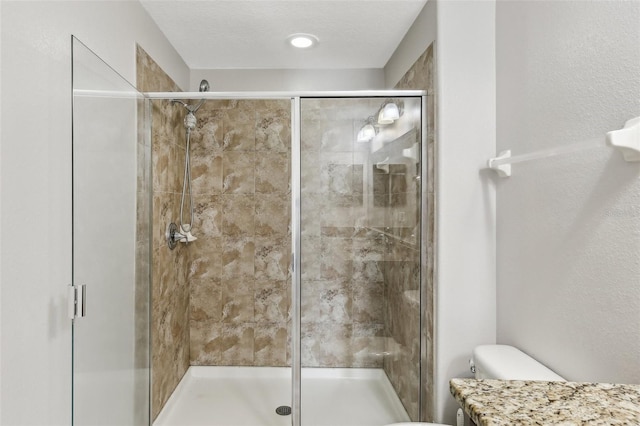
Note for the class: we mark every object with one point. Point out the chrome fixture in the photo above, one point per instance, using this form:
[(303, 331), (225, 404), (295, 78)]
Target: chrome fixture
[(190, 122), (204, 86), (173, 237)]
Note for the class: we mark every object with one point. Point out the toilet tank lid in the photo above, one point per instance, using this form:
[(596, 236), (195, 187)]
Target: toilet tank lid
[(505, 362)]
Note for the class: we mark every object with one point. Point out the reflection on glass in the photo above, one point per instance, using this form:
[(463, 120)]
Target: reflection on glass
[(360, 263)]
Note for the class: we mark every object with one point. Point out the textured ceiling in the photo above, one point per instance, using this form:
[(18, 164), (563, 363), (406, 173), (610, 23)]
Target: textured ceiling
[(252, 34)]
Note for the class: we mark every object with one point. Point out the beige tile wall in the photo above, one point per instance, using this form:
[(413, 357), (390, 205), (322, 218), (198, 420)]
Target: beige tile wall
[(240, 284), (170, 290)]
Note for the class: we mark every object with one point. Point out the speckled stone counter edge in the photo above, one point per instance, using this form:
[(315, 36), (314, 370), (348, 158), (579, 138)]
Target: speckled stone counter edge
[(503, 402)]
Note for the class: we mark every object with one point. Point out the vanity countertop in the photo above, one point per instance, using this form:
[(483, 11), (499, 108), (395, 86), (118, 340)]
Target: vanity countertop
[(516, 402)]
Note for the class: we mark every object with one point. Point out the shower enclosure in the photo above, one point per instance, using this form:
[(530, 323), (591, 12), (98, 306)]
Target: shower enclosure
[(308, 213)]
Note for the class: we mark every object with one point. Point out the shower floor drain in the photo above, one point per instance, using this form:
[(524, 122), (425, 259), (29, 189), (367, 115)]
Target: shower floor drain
[(283, 410)]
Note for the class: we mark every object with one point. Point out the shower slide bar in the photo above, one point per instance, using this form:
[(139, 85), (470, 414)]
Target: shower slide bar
[(626, 140)]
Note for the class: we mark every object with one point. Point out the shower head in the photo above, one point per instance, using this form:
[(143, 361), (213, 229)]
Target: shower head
[(190, 108), (204, 87)]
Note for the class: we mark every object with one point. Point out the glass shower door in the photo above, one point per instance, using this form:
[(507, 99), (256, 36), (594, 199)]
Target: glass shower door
[(360, 275), (111, 208)]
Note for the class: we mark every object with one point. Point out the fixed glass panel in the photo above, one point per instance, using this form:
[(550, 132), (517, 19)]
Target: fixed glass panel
[(360, 224), (111, 205)]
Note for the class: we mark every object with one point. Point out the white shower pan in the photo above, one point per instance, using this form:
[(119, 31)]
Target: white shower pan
[(249, 396)]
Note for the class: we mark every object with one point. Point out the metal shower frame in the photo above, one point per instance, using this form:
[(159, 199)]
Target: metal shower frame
[(295, 98)]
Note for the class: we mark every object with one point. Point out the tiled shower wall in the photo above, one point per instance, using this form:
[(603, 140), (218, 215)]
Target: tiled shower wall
[(232, 285), (240, 284), (170, 290), (421, 77)]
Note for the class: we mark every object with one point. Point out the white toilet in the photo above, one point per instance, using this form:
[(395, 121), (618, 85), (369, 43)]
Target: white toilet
[(504, 362), (501, 362)]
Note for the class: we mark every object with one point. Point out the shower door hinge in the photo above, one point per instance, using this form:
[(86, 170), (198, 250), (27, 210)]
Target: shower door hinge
[(77, 301)]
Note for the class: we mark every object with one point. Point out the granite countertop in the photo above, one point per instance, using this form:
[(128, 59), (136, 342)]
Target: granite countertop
[(515, 402)]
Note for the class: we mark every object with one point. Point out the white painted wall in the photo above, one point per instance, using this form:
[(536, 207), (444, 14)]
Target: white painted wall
[(421, 34), (465, 125), (569, 227), (35, 194), (226, 80)]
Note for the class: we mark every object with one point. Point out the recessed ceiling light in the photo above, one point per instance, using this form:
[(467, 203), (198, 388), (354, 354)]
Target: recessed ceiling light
[(302, 41)]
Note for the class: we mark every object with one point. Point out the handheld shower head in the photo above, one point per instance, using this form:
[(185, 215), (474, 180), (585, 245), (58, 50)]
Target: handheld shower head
[(190, 121)]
